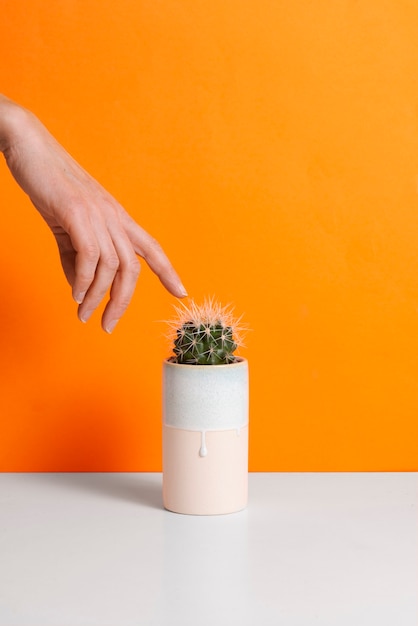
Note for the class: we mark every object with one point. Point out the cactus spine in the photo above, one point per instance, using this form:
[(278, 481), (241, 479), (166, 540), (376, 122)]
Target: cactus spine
[(205, 334)]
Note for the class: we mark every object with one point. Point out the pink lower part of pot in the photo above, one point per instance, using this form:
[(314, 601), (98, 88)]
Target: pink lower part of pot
[(205, 473)]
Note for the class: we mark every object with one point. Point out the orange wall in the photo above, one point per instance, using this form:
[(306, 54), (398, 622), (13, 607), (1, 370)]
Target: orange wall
[(272, 148)]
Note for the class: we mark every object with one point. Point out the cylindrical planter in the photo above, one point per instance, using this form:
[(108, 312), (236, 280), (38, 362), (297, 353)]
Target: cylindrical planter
[(205, 438)]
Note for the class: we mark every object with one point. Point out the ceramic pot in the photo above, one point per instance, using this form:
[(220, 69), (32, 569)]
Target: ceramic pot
[(205, 438)]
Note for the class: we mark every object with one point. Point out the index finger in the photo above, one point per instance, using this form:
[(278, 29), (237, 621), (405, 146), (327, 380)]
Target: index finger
[(151, 251)]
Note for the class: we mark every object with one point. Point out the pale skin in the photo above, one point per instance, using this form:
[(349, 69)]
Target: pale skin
[(99, 243)]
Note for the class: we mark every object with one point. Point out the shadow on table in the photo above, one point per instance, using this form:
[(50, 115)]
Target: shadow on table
[(136, 488)]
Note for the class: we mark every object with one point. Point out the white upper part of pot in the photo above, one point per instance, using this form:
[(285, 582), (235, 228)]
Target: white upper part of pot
[(205, 397)]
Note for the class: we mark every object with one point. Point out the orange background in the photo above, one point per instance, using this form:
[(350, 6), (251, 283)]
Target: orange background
[(272, 148)]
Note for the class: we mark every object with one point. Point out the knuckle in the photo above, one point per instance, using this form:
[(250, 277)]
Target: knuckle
[(153, 246), (111, 262), (123, 303), (133, 268), (90, 252)]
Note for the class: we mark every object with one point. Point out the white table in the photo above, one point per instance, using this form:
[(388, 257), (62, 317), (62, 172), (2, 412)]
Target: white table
[(311, 549)]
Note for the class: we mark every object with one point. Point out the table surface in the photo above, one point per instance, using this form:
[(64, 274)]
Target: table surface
[(311, 549)]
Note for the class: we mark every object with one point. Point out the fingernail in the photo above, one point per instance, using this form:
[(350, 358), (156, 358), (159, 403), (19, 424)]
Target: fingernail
[(80, 297), (84, 317), (111, 325), (182, 290)]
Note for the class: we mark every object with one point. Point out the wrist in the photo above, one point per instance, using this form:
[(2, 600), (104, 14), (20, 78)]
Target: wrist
[(12, 120)]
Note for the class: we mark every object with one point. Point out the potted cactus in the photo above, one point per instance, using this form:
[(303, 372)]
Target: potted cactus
[(205, 413)]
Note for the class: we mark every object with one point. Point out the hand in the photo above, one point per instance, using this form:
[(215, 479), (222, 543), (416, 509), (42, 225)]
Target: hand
[(98, 241)]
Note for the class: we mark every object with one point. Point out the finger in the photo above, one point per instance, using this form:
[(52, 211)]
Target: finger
[(67, 256), (106, 269), (124, 283), (86, 247), (120, 296), (150, 250)]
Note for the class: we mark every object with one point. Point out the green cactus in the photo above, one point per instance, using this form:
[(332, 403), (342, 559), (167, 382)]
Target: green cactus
[(206, 344), (205, 335)]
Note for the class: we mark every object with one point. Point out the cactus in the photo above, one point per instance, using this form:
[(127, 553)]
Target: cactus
[(206, 334)]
